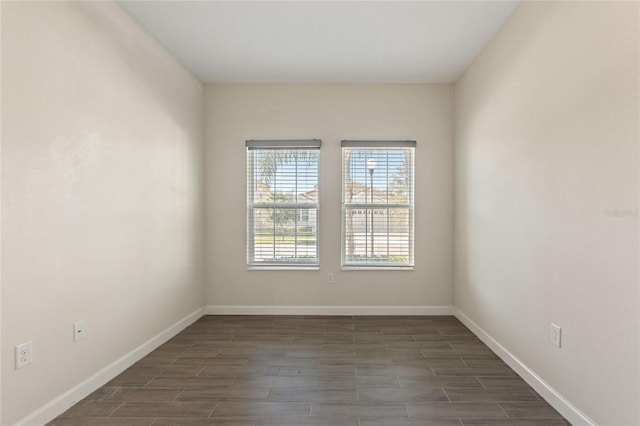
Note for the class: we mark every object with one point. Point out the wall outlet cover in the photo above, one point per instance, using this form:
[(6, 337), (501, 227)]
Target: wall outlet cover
[(24, 354)]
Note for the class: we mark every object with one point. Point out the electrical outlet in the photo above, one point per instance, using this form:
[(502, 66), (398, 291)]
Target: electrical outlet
[(330, 278), (24, 354), (79, 331), (556, 334)]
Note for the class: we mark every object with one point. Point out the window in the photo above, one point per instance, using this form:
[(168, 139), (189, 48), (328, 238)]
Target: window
[(377, 203), (282, 203)]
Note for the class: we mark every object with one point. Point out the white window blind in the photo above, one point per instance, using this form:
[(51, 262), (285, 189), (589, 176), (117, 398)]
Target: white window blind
[(282, 203), (377, 203)]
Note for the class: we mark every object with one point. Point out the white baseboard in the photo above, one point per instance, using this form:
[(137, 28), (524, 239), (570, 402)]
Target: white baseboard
[(60, 404), (63, 402), (328, 310), (553, 397)]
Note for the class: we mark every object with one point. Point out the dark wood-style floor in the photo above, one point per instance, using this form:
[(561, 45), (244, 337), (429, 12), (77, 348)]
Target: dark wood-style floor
[(304, 370)]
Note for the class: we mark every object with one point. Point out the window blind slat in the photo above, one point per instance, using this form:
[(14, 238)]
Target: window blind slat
[(378, 144), (283, 144)]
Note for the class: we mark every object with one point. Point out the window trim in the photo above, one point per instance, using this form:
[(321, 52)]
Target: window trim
[(378, 144), (268, 145)]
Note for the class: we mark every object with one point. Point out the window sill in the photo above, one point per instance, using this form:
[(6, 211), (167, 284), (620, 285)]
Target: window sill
[(377, 268), (282, 268)]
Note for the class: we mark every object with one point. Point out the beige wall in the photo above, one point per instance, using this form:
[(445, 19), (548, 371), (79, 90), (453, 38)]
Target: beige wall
[(102, 212), (546, 148), (235, 113), (101, 198)]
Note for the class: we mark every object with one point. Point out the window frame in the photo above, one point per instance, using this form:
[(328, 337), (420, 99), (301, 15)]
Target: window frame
[(365, 145), (251, 205)]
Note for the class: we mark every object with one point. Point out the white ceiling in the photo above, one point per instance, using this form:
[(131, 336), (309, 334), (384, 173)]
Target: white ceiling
[(323, 41)]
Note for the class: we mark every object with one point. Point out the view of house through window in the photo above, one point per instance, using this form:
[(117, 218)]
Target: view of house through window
[(377, 203), (282, 203)]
